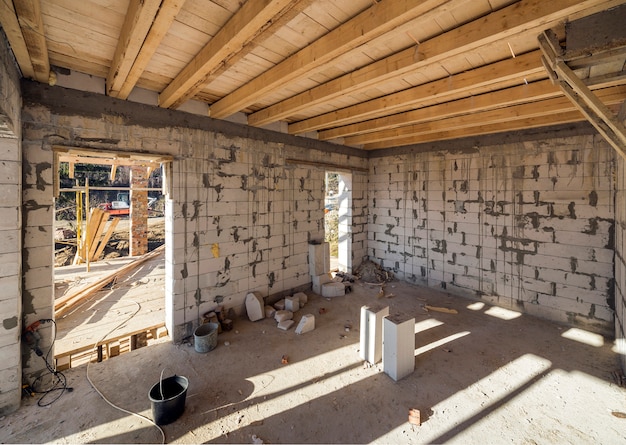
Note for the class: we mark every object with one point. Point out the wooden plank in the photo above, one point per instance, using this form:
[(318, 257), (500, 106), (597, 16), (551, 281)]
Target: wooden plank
[(241, 28), (359, 133), (139, 17), (544, 109), (371, 23), (64, 304), (11, 26), (29, 16), (96, 239), (512, 70), (509, 22), (165, 17), (106, 238)]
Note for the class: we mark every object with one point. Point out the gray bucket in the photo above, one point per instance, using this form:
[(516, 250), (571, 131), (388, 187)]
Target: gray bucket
[(205, 337), (168, 399)]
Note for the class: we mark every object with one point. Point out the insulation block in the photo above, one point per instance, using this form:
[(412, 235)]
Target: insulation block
[(306, 324)]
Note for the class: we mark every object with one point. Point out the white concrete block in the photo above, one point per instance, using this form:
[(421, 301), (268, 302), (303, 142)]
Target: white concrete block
[(255, 306), (302, 297), (307, 324), (280, 305), (269, 311), (371, 332), (330, 290), (319, 258), (398, 346), (318, 281), (292, 304), (283, 315), (286, 324)]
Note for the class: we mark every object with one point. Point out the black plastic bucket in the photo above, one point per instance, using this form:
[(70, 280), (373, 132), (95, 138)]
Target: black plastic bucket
[(168, 407)]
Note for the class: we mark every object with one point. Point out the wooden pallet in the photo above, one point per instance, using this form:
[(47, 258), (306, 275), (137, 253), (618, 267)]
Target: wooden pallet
[(110, 347)]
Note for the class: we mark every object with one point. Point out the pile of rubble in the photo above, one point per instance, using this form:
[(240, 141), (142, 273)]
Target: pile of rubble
[(282, 311), (370, 272)]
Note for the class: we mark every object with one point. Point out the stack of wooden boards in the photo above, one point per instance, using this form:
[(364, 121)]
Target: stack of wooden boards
[(91, 244)]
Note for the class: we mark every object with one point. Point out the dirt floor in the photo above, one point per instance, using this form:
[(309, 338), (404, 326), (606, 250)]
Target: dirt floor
[(483, 375)]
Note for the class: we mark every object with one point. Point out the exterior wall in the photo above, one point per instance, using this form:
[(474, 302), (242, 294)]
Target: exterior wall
[(240, 211), (620, 261), (10, 233), (527, 225)]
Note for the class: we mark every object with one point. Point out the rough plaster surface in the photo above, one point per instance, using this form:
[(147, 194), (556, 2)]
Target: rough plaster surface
[(528, 225), (620, 261), (10, 232)]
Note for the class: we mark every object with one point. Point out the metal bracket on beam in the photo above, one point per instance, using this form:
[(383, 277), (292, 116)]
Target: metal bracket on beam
[(598, 114)]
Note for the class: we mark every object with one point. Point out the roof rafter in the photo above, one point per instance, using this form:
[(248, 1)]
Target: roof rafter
[(372, 22), (11, 26), (250, 20), (546, 109), (31, 23), (507, 72), (142, 33), (521, 17)]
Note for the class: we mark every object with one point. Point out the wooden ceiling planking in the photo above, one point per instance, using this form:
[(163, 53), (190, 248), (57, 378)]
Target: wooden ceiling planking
[(345, 89)]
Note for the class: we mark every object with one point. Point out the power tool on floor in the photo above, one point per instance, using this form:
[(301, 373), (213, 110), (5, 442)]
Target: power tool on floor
[(31, 336)]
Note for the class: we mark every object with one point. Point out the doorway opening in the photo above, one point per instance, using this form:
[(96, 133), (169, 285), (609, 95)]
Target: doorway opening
[(109, 262), (338, 219)]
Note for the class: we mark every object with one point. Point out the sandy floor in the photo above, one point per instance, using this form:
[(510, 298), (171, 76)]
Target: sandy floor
[(484, 375)]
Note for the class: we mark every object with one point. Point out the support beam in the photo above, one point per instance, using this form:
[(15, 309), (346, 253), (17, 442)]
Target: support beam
[(371, 23), (596, 112), (137, 23), (519, 18), (165, 17), (11, 26), (507, 72), (29, 16), (241, 28)]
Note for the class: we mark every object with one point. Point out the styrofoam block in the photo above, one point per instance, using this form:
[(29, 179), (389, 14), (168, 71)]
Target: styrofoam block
[(302, 297), (307, 324), (255, 307), (283, 315), (318, 281), (285, 324), (292, 304), (371, 332), (269, 311), (319, 258), (280, 305), (398, 346), (330, 290)]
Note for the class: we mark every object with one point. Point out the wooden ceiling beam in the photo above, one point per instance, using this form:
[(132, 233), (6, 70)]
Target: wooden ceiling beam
[(610, 96), (29, 16), (519, 124), (512, 71), (369, 24), (250, 20), (164, 18), (11, 26), (139, 17), (517, 95), (519, 18)]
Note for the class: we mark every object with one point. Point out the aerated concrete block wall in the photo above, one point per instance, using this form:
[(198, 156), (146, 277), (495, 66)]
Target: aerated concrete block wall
[(240, 212), (527, 225), (10, 232), (620, 261)]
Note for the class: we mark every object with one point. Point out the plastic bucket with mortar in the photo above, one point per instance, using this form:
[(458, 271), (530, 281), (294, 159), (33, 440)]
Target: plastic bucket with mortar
[(205, 337), (168, 399)]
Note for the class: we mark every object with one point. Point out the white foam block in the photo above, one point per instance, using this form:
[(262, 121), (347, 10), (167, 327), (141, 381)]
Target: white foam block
[(307, 324), (330, 290), (269, 311), (283, 315), (292, 304), (285, 324), (255, 307), (304, 298)]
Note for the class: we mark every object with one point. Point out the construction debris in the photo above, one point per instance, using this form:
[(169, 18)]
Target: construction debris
[(414, 417), (444, 310), (371, 272)]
